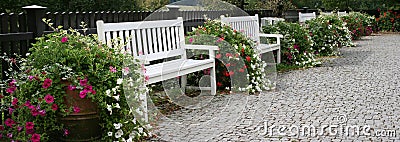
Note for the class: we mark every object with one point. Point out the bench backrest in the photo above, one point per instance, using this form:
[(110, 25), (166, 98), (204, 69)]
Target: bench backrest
[(247, 25), (344, 13), (303, 17), (148, 40), (326, 13), (270, 21)]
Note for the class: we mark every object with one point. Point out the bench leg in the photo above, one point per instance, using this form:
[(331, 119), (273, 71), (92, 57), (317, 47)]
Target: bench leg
[(278, 58), (183, 82), (213, 80)]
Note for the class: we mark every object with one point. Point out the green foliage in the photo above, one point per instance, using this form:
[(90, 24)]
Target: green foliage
[(296, 44), (90, 68), (329, 33), (388, 21), (359, 24), (347, 4)]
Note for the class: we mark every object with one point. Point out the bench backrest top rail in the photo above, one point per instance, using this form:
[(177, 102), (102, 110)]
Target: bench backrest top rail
[(148, 40), (248, 25)]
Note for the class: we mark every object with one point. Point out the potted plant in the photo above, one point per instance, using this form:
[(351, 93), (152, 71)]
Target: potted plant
[(71, 87)]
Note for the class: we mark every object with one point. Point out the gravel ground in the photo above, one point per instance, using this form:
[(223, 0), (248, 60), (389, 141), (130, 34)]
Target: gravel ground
[(359, 90)]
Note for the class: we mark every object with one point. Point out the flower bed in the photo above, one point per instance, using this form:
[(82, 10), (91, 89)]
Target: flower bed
[(236, 56), (329, 33), (296, 44), (69, 61), (388, 21), (359, 24)]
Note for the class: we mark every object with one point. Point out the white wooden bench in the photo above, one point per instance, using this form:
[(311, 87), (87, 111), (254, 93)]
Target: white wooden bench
[(340, 14), (303, 17), (157, 40), (325, 13), (249, 26), (270, 20)]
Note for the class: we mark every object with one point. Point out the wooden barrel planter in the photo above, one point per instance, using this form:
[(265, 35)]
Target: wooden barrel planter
[(84, 125)]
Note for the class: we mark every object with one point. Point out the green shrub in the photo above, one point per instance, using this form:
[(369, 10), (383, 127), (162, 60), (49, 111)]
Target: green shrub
[(388, 21), (359, 24), (329, 33), (296, 44)]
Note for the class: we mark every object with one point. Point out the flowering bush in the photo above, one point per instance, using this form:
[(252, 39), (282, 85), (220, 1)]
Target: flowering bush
[(296, 44), (69, 61), (328, 33), (234, 48), (359, 24), (389, 21)]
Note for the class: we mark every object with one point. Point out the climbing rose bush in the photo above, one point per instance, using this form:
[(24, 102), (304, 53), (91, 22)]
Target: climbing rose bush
[(296, 44), (359, 24), (236, 56), (388, 21), (329, 33)]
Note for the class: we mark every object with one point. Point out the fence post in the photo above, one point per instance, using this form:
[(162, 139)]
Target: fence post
[(34, 15)]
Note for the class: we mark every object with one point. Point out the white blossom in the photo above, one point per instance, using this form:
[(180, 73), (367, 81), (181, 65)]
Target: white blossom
[(119, 81), (118, 134), (110, 134), (117, 125)]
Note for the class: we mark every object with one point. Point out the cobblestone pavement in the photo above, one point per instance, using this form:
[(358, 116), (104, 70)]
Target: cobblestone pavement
[(359, 90)]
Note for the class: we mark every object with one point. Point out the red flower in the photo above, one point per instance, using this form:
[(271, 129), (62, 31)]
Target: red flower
[(9, 122), (64, 39), (34, 112), (228, 65), (76, 109), (219, 84), (226, 74), (218, 56), (47, 83), (83, 93), (228, 55), (49, 98), (231, 73), (29, 125), (14, 102), (83, 82), (71, 87), (241, 70), (66, 132), (248, 58), (54, 107), (35, 138)]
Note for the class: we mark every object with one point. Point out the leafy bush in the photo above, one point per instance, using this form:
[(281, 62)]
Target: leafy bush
[(69, 61), (389, 21), (328, 33), (236, 48), (359, 24), (296, 44)]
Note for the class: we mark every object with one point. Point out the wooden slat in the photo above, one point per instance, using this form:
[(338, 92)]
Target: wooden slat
[(72, 18), (23, 28), (154, 37), (65, 20), (134, 46), (129, 41), (145, 43), (92, 19), (149, 41), (58, 19), (139, 42), (164, 38), (160, 43), (173, 42)]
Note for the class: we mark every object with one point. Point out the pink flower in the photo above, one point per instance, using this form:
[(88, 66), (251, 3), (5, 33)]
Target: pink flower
[(49, 98), (9, 135), (29, 125), (47, 83), (42, 112), (64, 39), (31, 77), (1, 127), (35, 138), (112, 69), (218, 56), (9, 122), (14, 102), (66, 132), (83, 82), (93, 92), (34, 112), (54, 107), (146, 78), (190, 40), (19, 128), (296, 47), (10, 110), (71, 87), (30, 131), (88, 88), (76, 109), (82, 94)]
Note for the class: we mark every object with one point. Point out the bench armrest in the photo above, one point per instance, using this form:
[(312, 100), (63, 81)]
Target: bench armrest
[(201, 47), (271, 35)]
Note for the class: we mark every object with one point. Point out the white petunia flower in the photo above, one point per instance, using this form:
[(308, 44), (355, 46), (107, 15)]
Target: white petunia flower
[(117, 105), (119, 81), (140, 130), (109, 108), (110, 134), (118, 134), (108, 93), (117, 125), (116, 97)]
